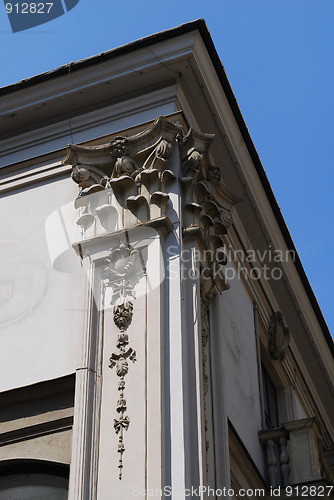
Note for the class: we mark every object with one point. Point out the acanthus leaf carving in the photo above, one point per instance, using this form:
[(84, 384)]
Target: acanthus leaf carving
[(132, 169), (134, 175)]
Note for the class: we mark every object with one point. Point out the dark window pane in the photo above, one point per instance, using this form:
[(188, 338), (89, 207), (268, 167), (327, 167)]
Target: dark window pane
[(269, 400), (32, 486)]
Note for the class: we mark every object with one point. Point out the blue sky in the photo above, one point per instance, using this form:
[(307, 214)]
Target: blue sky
[(279, 58)]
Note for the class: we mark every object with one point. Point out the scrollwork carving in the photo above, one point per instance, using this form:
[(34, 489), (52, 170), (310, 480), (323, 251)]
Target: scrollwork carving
[(204, 218), (80, 174), (164, 150)]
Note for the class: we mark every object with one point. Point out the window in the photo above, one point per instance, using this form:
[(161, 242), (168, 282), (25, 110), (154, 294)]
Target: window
[(269, 400), (33, 480)]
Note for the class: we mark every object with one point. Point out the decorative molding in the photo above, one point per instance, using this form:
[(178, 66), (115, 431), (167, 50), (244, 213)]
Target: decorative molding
[(51, 426), (206, 206), (126, 182), (127, 156), (279, 337), (122, 271)]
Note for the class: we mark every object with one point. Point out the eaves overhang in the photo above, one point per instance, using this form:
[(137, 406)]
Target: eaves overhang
[(201, 27)]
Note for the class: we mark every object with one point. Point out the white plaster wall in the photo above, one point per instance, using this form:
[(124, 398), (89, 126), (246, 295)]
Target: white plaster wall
[(240, 365), (41, 310)]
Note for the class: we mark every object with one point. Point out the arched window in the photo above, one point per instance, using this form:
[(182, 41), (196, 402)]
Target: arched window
[(33, 480)]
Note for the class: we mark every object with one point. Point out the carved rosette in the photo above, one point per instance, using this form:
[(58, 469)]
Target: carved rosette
[(122, 271)]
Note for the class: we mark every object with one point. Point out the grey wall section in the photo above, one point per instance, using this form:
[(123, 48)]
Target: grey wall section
[(240, 367)]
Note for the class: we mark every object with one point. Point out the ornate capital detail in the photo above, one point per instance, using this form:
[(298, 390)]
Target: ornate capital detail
[(279, 336), (122, 271), (206, 205), (129, 174), (130, 177), (123, 156)]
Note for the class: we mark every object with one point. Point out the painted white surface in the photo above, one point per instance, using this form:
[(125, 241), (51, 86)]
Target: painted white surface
[(175, 395), (142, 459), (41, 310), (240, 366)]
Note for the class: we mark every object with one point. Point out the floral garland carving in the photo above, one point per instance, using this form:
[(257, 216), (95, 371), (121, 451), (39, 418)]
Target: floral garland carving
[(122, 272)]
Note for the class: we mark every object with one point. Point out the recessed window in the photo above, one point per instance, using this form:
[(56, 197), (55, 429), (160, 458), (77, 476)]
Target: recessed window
[(33, 481), (269, 400)]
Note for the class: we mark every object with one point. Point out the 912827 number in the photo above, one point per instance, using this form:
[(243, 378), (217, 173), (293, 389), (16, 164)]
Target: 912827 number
[(28, 8), (309, 491)]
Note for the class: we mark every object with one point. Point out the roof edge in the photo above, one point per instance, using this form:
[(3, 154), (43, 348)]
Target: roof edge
[(198, 24), (263, 178)]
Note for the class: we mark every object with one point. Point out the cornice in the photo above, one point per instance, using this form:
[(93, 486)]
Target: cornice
[(90, 124)]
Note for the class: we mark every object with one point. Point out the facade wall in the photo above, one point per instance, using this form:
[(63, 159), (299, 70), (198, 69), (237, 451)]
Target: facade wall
[(239, 351), (41, 311)]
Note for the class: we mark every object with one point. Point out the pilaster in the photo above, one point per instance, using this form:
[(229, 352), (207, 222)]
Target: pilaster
[(152, 212)]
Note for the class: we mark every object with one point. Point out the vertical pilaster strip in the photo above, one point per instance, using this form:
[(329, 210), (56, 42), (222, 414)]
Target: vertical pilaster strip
[(82, 484)]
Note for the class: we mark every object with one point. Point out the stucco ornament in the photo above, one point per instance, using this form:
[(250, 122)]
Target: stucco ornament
[(124, 165), (131, 182), (123, 269), (131, 178), (128, 177), (279, 336), (206, 206)]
